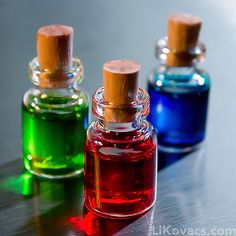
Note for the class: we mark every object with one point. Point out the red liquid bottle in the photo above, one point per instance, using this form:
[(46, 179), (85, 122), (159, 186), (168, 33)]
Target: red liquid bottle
[(121, 147)]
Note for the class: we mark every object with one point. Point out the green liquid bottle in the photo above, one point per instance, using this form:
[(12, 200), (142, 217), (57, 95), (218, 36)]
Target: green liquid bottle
[(55, 111)]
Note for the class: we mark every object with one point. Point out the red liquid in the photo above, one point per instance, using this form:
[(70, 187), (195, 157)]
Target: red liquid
[(120, 171)]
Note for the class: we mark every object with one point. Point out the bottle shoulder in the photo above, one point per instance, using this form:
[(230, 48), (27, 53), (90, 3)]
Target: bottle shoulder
[(143, 137), (179, 79), (55, 100)]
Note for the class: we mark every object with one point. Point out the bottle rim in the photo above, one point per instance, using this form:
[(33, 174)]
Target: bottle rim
[(72, 74), (139, 107), (161, 51)]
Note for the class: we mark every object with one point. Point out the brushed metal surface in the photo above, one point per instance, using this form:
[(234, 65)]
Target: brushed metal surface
[(188, 197)]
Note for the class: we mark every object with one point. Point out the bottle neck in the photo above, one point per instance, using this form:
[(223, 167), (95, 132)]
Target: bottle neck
[(180, 70), (119, 127), (58, 79)]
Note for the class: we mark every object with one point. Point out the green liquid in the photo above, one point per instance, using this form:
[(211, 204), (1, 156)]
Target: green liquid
[(53, 139)]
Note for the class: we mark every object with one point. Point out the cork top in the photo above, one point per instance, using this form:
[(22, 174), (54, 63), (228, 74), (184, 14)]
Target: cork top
[(120, 81), (54, 46), (183, 32), (120, 89)]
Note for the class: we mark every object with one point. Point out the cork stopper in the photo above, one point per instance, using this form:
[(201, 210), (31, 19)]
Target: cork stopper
[(183, 32), (120, 89), (54, 48)]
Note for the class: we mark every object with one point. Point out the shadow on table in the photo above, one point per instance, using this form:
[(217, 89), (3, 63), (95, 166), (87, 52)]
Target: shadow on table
[(32, 206), (166, 159), (90, 224)]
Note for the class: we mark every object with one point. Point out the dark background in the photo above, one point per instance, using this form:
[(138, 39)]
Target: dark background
[(200, 189)]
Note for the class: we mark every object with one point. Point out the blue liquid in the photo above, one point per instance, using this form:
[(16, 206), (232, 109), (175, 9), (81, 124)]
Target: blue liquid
[(178, 110)]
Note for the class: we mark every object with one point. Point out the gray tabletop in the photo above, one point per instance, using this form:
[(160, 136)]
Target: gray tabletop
[(195, 191)]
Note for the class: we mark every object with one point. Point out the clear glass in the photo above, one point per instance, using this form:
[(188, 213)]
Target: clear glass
[(179, 100), (120, 162), (54, 122)]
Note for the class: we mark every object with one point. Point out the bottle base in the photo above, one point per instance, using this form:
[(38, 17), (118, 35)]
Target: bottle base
[(118, 216), (56, 177), (184, 149), (43, 168)]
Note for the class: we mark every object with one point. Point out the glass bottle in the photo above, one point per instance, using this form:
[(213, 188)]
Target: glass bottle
[(120, 152), (54, 112), (179, 90)]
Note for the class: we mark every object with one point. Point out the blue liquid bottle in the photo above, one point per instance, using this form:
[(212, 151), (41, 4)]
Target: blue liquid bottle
[(178, 89)]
